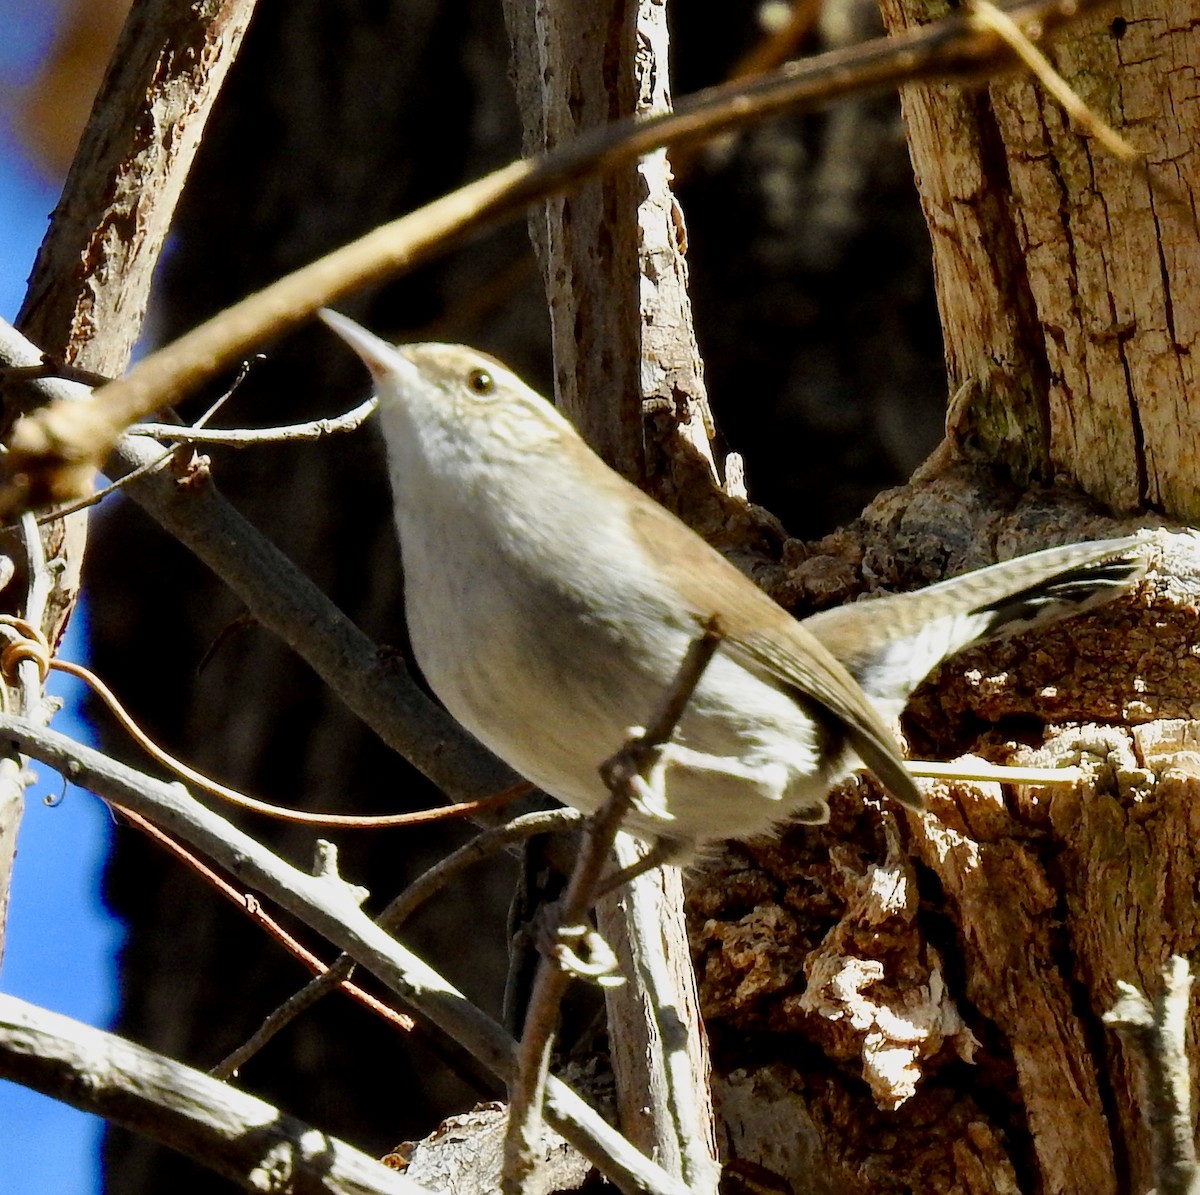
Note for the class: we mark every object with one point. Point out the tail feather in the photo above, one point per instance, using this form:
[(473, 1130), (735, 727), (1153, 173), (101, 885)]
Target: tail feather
[(1068, 593), (889, 645)]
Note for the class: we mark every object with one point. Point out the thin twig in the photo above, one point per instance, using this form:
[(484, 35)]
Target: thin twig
[(31, 674), (196, 433), (240, 800), (94, 499), (254, 910), (526, 1092), (332, 909), (979, 770), (245, 437), (1158, 1037), (482, 846), (282, 599), (54, 451), (1000, 22), (245, 1139)]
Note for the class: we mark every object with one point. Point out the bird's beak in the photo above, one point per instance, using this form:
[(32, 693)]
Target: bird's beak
[(381, 358)]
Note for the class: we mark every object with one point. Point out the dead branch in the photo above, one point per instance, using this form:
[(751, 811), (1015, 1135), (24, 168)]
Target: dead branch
[(55, 451), (237, 1135), (330, 906)]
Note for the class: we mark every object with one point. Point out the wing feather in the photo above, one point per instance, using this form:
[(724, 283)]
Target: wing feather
[(764, 638)]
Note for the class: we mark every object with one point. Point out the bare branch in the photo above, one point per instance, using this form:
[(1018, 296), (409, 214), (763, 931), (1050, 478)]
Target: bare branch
[(331, 908), (244, 437), (1157, 1034), (91, 281), (669, 1068), (482, 846), (89, 285), (526, 1092), (61, 512), (55, 450), (237, 1135), (981, 771), (97, 496), (255, 911)]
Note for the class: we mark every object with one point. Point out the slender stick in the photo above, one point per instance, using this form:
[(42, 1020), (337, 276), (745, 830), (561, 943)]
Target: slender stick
[(331, 907), (254, 910), (245, 437), (622, 774), (980, 771), (55, 451), (426, 885)]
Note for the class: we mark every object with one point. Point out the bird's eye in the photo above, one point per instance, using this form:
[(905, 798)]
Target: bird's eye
[(481, 382)]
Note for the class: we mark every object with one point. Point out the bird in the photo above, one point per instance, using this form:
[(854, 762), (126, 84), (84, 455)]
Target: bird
[(550, 602)]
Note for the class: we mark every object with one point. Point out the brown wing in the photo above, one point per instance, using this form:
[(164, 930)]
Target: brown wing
[(764, 638)]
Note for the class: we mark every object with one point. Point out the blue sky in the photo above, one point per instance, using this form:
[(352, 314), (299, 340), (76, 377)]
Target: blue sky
[(61, 944)]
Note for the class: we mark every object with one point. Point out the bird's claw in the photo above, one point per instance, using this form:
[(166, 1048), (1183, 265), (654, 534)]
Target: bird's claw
[(578, 950), (582, 952)]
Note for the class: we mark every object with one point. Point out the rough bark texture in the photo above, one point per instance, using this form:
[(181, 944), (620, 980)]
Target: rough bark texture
[(612, 252), (462, 1156), (1064, 274), (996, 933), (588, 241), (925, 994)]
